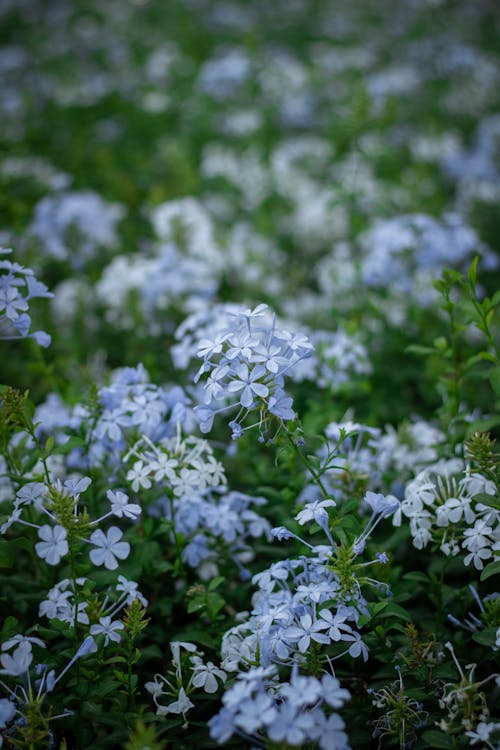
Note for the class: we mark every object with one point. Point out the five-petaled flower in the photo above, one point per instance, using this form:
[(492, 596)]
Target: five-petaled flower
[(108, 548), (54, 544)]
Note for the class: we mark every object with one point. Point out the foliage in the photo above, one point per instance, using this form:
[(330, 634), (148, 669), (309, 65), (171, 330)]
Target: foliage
[(249, 401)]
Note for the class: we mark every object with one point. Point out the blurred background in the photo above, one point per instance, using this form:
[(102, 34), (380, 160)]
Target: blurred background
[(328, 158)]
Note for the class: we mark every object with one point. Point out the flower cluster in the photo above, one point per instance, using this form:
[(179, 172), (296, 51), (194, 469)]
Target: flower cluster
[(24, 706), (258, 706), (203, 676), (246, 363), (155, 283), (18, 286), (465, 704), (355, 457), (187, 465), (128, 407), (83, 218), (76, 603), (402, 715), (131, 406), (190, 490), (66, 521), (313, 604), (446, 503)]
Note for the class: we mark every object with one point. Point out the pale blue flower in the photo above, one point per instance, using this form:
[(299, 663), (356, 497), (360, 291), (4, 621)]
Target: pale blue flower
[(108, 628), (108, 548), (248, 382), (222, 726), (291, 725), (120, 505), (19, 661), (7, 711), (307, 630), (254, 713), (54, 544)]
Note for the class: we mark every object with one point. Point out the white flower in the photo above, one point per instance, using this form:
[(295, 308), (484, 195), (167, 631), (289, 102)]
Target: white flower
[(180, 706), (315, 511), (130, 588), (54, 544), (19, 661), (164, 467), (7, 711), (14, 516), (139, 476), (385, 505), (155, 687), (204, 675), (120, 505), (16, 640), (482, 732), (109, 629), (478, 542), (453, 510), (108, 548)]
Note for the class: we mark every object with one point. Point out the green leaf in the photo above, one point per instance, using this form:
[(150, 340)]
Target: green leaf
[(69, 445), (6, 554), (494, 376), (216, 583), (435, 739), (490, 570), (480, 357), (377, 608), (394, 610), (24, 543), (440, 343), (417, 576), (10, 627), (472, 272), (422, 351), (195, 605), (483, 425), (486, 637)]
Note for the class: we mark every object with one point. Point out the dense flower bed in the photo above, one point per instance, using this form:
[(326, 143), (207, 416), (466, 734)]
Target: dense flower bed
[(249, 483)]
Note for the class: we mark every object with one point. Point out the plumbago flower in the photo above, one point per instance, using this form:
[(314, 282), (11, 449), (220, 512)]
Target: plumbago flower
[(68, 523), (18, 286), (80, 220), (164, 280), (207, 676), (486, 621), (244, 365), (448, 504), (465, 705), (68, 601), (131, 406), (128, 407), (356, 457), (188, 487), (259, 706), (402, 716), (27, 692), (333, 358), (313, 604)]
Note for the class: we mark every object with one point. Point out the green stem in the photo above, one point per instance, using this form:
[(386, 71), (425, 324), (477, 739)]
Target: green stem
[(307, 463), (129, 674), (75, 588), (178, 545)]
